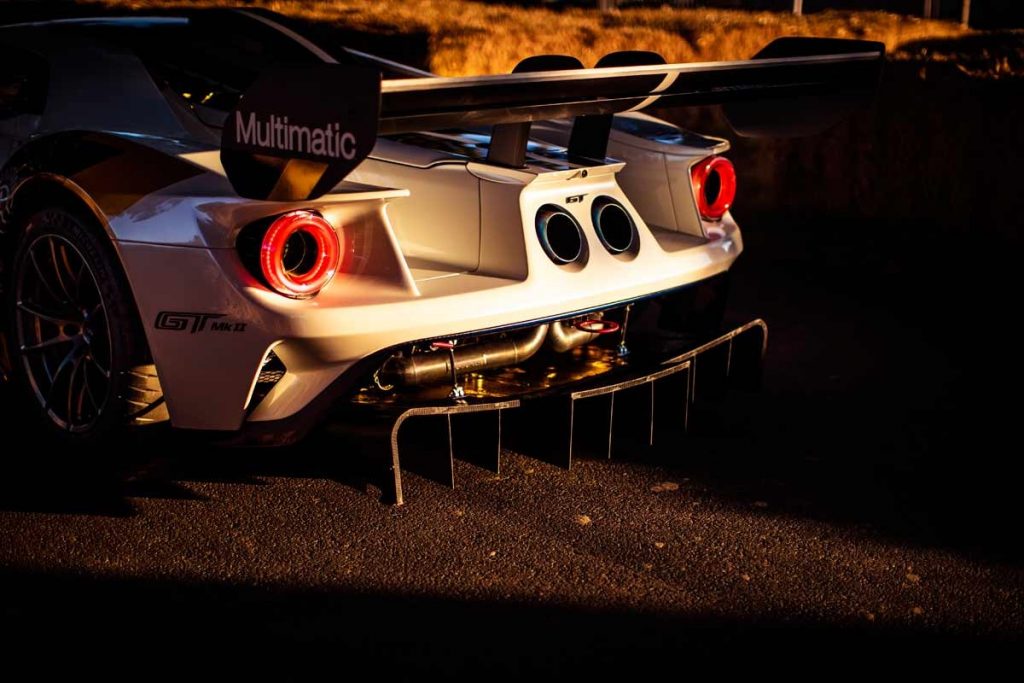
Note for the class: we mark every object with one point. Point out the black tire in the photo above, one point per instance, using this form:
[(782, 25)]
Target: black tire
[(79, 358)]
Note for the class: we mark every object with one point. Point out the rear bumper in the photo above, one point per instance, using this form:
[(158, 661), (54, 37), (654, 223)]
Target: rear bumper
[(665, 330), (211, 333)]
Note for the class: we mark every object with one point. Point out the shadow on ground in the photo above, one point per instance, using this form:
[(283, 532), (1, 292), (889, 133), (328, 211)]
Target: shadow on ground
[(882, 406), (401, 636)]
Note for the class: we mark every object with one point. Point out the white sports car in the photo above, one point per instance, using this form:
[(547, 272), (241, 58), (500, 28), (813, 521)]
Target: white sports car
[(207, 218)]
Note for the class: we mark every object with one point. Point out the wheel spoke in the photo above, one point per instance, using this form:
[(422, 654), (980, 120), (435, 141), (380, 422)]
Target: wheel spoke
[(74, 274), (43, 280), (103, 371), (37, 312), (46, 344), (56, 270), (66, 362)]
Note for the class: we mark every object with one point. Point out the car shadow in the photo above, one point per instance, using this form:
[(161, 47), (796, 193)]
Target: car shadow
[(880, 409), (160, 463)]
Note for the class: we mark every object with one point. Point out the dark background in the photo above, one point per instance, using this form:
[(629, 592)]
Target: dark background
[(885, 256)]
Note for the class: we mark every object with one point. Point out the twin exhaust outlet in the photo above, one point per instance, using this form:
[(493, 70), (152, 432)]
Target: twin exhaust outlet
[(564, 242), (561, 235)]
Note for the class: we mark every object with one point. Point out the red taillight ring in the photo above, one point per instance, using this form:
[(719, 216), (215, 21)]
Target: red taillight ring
[(325, 261), (714, 210)]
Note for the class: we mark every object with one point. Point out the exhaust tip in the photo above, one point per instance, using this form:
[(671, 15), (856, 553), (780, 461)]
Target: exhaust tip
[(560, 235), (614, 226)]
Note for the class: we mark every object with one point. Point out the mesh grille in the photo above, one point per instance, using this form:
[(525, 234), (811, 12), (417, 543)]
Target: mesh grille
[(271, 373)]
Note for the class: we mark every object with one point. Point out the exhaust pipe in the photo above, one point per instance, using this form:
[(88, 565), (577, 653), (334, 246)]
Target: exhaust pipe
[(564, 337), (560, 235), (614, 226), (435, 367)]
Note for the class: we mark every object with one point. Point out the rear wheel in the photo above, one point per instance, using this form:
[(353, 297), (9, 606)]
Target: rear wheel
[(78, 352)]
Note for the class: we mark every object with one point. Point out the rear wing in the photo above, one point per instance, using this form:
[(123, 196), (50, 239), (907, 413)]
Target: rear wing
[(295, 134), (413, 104)]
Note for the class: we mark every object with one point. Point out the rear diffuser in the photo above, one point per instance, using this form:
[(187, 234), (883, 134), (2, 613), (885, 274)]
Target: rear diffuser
[(610, 414)]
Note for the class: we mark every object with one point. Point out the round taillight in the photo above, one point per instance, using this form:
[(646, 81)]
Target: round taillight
[(300, 254), (714, 185)]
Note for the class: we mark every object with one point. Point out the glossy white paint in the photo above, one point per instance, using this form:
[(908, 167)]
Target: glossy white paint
[(436, 243), (387, 295), (657, 173), (440, 227)]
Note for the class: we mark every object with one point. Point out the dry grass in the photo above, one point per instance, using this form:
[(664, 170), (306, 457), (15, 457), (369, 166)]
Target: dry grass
[(475, 38)]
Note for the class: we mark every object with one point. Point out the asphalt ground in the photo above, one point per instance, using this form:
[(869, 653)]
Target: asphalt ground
[(863, 506)]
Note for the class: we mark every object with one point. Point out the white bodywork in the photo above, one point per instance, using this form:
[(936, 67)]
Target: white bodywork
[(437, 243), (439, 247)]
